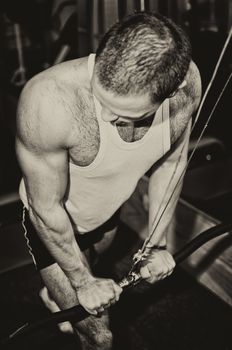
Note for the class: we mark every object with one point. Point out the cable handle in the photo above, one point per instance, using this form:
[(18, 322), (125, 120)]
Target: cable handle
[(134, 277), (130, 280)]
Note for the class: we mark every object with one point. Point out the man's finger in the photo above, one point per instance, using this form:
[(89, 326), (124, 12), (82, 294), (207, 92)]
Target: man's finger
[(118, 290), (91, 311), (100, 309), (144, 272)]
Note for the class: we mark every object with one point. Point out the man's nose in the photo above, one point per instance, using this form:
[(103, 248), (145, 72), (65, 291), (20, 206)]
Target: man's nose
[(108, 116)]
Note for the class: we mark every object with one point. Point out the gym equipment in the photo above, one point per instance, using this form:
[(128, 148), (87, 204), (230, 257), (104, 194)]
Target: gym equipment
[(19, 76)]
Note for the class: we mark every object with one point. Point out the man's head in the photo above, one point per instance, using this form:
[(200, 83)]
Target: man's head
[(144, 54)]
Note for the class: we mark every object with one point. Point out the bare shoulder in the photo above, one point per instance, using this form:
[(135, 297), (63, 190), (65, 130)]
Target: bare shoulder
[(192, 89), (185, 103), (45, 112), (40, 119)]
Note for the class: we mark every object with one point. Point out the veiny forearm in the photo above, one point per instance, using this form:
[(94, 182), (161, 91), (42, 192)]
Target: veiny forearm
[(55, 230)]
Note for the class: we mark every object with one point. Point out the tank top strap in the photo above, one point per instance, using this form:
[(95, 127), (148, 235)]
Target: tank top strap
[(91, 63), (165, 114)]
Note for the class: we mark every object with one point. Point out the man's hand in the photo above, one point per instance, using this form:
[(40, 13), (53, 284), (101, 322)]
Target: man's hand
[(98, 294), (157, 266)]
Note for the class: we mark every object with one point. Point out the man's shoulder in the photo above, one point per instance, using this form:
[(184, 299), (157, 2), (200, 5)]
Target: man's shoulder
[(189, 96), (185, 103), (192, 89), (48, 104), (56, 81)]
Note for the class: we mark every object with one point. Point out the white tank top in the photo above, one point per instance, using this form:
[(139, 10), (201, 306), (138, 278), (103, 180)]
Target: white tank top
[(96, 191)]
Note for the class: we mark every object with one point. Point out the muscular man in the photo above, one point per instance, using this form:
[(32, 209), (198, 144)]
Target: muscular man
[(87, 130)]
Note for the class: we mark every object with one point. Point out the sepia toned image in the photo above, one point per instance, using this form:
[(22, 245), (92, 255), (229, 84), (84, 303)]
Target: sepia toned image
[(116, 174)]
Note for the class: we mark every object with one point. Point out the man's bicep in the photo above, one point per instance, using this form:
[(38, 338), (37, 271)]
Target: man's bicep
[(45, 175)]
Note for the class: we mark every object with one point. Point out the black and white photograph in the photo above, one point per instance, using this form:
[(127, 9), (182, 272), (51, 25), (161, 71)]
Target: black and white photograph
[(115, 174)]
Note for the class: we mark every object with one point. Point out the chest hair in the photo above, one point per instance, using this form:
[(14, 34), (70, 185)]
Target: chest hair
[(86, 133)]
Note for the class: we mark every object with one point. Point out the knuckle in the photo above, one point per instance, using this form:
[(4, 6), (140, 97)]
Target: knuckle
[(108, 298), (166, 270), (96, 305)]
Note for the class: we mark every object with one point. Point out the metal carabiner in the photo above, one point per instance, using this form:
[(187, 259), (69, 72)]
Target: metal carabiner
[(133, 277)]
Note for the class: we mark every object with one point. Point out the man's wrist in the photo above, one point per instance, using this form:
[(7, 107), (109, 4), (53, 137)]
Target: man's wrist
[(157, 247), (152, 247), (79, 277)]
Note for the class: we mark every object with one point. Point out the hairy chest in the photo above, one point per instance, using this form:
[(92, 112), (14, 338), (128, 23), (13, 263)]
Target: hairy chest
[(87, 147), (86, 133)]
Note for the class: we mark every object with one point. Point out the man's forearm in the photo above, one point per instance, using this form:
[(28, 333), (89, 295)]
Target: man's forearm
[(55, 230), (160, 216), (164, 189)]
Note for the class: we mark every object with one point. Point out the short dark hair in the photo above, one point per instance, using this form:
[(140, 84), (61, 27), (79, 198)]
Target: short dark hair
[(144, 52)]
